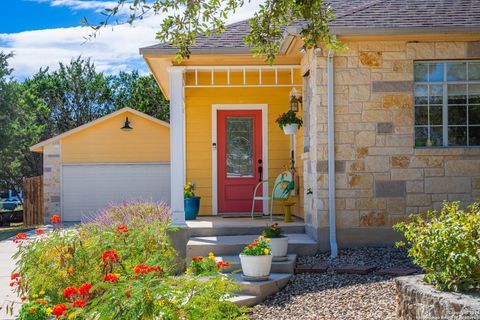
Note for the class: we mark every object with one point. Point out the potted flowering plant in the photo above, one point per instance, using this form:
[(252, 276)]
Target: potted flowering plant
[(206, 266), (191, 202), (278, 241), (289, 122), (256, 259)]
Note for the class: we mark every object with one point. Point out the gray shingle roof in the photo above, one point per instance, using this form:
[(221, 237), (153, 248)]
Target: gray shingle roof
[(361, 16)]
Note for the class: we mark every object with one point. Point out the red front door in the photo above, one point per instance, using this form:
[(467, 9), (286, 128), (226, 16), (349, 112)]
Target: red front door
[(239, 157)]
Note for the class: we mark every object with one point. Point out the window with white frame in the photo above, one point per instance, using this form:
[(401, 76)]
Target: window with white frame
[(447, 103)]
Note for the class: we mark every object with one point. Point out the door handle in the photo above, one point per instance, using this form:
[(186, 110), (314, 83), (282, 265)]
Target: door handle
[(260, 170)]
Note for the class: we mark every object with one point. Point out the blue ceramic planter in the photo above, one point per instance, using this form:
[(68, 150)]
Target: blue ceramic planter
[(192, 205)]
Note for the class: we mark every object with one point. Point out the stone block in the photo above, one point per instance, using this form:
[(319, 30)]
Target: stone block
[(420, 50), (414, 186), (402, 117), (365, 139), (476, 183), (362, 152), (373, 219), (360, 180), (448, 185), (473, 49), (371, 203), (359, 93), (450, 50), (376, 116), (417, 200), (396, 205), (397, 218), (397, 101), (357, 166), (406, 174), (344, 137), (347, 219), (396, 271), (392, 86), (384, 127), (426, 162), (434, 172), (390, 189), (405, 66), (377, 163), (400, 161), (462, 197), (344, 152), (462, 168), (354, 269), (400, 140), (370, 59), (350, 204), (352, 76), (308, 268)]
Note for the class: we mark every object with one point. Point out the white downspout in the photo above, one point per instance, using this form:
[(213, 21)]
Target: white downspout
[(331, 155)]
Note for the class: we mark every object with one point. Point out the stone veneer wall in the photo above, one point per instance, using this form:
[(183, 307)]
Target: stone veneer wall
[(380, 176), (51, 180)]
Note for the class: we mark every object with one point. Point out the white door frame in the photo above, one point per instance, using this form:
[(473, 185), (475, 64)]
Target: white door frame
[(215, 108)]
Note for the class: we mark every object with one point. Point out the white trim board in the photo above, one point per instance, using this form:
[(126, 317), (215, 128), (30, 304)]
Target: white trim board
[(215, 108)]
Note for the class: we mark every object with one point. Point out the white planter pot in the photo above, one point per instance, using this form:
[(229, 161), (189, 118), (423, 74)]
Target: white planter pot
[(279, 246), (256, 266), (290, 129)]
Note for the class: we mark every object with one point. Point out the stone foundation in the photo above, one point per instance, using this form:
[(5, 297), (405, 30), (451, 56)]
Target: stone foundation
[(419, 301)]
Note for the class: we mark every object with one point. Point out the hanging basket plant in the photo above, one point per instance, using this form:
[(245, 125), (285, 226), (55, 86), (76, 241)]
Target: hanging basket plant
[(289, 122)]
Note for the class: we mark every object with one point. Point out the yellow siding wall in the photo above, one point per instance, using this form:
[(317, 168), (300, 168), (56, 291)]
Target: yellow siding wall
[(105, 142), (199, 103)]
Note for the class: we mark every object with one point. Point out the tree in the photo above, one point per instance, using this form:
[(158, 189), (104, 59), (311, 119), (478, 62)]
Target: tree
[(18, 131), (141, 93), (186, 19)]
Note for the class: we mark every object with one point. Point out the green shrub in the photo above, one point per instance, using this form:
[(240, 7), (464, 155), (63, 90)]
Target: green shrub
[(119, 265), (446, 245)]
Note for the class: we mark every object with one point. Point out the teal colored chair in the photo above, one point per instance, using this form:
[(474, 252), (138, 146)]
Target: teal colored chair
[(282, 188)]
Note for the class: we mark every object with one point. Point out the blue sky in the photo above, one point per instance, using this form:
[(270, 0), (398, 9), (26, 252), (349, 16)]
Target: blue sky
[(42, 33)]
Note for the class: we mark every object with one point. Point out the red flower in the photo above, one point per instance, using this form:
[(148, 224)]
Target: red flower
[(15, 276), (144, 269), (69, 292), (19, 237), (84, 289), (79, 303), (129, 295), (32, 310), (250, 246), (23, 298), (55, 218), (39, 231), (110, 256), (111, 277), (122, 229), (59, 310), (222, 264)]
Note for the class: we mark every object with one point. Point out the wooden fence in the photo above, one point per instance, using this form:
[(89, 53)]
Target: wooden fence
[(33, 201)]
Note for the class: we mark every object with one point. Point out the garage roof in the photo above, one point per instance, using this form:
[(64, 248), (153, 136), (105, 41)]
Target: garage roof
[(39, 146)]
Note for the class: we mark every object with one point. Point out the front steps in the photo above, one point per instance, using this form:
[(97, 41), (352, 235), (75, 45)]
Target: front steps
[(226, 242)]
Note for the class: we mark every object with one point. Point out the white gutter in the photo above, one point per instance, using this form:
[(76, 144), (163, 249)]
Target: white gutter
[(331, 155)]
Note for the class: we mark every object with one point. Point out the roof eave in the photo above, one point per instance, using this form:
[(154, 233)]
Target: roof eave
[(209, 51), (351, 31)]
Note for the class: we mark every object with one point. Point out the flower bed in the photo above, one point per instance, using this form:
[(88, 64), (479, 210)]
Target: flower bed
[(119, 265)]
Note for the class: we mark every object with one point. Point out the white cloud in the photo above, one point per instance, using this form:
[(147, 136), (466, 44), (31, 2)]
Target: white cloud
[(111, 51)]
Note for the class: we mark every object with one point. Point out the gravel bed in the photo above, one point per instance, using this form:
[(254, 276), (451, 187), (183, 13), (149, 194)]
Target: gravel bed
[(333, 296)]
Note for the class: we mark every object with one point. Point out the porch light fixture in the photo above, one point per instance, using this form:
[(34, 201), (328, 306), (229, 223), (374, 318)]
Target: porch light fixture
[(295, 100), (126, 126), (303, 50)]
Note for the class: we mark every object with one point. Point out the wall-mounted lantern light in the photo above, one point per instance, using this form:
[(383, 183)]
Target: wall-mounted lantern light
[(295, 100), (126, 126)]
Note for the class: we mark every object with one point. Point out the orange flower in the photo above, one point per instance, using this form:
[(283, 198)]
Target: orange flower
[(59, 310), (110, 256), (250, 246), (55, 218), (84, 289), (19, 237), (39, 231), (222, 264), (122, 229), (111, 277), (78, 303), (23, 298), (32, 310)]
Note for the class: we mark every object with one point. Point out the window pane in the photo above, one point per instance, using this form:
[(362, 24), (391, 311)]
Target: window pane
[(421, 115), (239, 147), (457, 94), (474, 136), (436, 115), (457, 136), (435, 72), (421, 94), (474, 115), (421, 136), (457, 115), (436, 136), (456, 71), (474, 71), (474, 93), (421, 72), (436, 95)]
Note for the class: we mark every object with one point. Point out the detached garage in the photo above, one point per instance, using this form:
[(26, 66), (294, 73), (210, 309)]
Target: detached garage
[(124, 155)]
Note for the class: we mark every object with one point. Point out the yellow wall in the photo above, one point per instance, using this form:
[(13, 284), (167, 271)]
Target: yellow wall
[(199, 103), (105, 142)]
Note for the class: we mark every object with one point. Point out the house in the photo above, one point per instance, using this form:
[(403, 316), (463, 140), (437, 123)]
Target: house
[(392, 123), (123, 155)]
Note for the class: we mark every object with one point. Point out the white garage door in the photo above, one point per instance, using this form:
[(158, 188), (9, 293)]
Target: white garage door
[(89, 188)]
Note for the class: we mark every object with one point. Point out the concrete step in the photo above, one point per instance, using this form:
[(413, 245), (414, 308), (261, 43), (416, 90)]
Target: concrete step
[(236, 227), (287, 266), (246, 300), (262, 289), (298, 243)]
